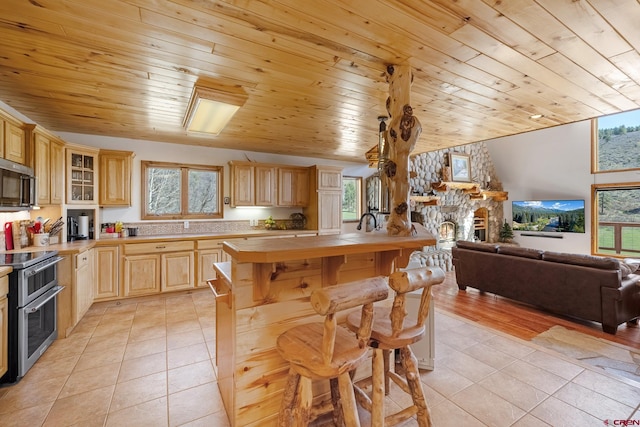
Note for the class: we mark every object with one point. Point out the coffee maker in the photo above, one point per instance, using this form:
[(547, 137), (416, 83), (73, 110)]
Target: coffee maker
[(73, 233)]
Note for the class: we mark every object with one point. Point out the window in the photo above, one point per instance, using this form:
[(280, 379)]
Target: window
[(175, 191), (351, 198), (616, 219), (615, 142)]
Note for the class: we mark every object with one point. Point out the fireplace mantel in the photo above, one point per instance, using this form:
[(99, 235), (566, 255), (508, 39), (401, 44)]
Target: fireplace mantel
[(474, 190)]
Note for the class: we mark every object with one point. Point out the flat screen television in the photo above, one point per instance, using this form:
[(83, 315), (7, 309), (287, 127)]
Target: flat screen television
[(550, 216)]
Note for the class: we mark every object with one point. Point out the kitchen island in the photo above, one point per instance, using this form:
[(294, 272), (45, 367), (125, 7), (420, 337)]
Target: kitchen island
[(264, 290)]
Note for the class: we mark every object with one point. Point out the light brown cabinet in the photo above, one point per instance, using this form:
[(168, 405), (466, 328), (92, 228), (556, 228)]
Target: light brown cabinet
[(4, 326), (253, 184), (84, 284), (82, 174), (177, 271), (13, 142), (115, 178), (75, 273), (208, 252), (107, 280), (324, 212), (293, 186), (141, 275), (154, 267), (48, 164), (265, 185)]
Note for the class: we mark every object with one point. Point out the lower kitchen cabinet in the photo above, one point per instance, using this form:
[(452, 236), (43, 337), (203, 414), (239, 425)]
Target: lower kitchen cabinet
[(84, 284), (141, 275), (107, 272), (177, 271), (160, 266), (208, 252), (75, 273), (4, 331)]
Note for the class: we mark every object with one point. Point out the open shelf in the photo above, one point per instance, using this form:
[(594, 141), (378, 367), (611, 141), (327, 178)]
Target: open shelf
[(472, 188), (427, 200)]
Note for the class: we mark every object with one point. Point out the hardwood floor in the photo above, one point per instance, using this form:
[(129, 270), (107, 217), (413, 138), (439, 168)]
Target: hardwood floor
[(520, 320)]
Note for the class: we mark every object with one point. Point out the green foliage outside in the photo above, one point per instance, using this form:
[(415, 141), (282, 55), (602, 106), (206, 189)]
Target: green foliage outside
[(630, 241), (350, 199), (619, 148)]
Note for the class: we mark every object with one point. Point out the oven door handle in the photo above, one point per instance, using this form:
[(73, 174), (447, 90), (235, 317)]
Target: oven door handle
[(43, 267), (50, 294)]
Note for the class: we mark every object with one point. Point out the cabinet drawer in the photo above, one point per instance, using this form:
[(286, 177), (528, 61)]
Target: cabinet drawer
[(146, 248), (82, 259), (210, 244), (4, 286)]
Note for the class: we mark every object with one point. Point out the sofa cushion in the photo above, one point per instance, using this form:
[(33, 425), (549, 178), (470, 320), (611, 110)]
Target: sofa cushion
[(604, 263), (521, 252), (626, 269), (483, 247)]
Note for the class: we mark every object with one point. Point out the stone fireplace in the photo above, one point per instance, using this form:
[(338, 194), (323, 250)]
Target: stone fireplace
[(466, 217)]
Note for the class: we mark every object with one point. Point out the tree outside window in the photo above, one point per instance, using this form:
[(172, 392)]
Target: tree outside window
[(351, 198), (177, 191)]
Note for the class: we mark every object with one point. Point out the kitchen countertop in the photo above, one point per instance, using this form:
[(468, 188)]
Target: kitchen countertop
[(269, 251), (79, 246)]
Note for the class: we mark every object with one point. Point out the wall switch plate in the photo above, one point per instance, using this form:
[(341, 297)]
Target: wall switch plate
[(186, 224)]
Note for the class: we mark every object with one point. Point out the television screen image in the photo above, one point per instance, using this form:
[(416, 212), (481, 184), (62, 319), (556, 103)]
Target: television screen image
[(565, 216)]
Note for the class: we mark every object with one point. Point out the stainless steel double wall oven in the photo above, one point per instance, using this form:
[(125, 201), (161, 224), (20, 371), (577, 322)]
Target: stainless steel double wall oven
[(33, 286)]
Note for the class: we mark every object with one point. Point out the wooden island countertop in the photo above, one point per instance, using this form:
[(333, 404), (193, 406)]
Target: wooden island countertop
[(277, 250), (264, 290)]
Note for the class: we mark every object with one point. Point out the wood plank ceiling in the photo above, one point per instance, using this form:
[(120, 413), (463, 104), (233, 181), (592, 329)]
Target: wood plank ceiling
[(313, 69)]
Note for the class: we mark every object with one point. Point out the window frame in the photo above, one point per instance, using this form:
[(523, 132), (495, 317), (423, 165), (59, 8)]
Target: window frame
[(359, 203), (595, 215), (184, 199)]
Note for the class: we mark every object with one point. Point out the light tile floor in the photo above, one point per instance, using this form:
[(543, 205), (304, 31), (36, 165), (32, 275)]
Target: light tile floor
[(150, 362)]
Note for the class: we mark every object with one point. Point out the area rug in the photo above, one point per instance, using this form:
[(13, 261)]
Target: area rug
[(614, 358)]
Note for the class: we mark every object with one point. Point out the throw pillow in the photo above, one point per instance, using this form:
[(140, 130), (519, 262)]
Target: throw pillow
[(627, 269)]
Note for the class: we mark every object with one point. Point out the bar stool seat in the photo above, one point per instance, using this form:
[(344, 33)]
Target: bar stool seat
[(393, 330), (328, 351)]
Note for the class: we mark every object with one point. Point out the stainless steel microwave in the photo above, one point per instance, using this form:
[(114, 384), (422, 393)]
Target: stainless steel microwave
[(17, 187)]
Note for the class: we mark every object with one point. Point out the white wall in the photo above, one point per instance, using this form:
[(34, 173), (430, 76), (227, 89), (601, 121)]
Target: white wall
[(552, 163)]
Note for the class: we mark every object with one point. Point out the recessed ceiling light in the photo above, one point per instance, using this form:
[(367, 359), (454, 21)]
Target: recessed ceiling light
[(536, 116)]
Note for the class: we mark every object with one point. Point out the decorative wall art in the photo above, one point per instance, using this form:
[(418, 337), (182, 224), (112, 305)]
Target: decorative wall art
[(460, 167)]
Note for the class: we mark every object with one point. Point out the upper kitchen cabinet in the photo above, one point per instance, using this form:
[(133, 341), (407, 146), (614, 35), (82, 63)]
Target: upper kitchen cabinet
[(253, 184), (82, 174), (324, 212), (13, 139), (293, 186), (47, 161), (115, 178)]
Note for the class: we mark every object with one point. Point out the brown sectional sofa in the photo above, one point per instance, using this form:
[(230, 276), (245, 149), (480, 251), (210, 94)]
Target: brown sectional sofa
[(582, 286)]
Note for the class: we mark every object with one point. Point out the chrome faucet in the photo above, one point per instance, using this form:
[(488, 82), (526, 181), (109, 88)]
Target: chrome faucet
[(375, 222)]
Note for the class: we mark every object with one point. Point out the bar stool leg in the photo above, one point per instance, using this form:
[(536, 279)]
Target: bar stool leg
[(410, 366), (348, 400), (378, 380), (302, 414), (295, 409), (338, 417), (288, 400), (387, 366)]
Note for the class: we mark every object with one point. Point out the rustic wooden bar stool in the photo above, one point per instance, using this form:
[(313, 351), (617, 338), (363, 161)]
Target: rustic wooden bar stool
[(393, 330), (328, 351)]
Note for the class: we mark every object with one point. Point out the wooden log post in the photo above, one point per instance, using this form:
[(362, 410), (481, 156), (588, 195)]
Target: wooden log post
[(402, 134)]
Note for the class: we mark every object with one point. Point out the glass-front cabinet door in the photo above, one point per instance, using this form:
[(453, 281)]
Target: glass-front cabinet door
[(82, 173)]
